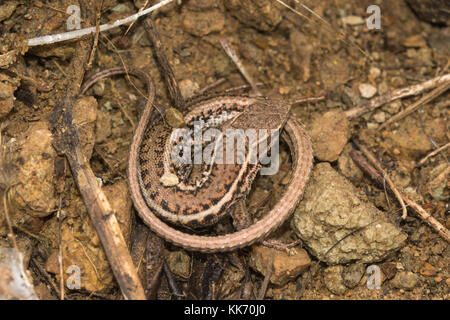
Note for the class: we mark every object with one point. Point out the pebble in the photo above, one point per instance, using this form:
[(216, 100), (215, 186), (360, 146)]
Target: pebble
[(34, 192), (188, 88), (428, 270), (286, 267), (7, 9), (6, 99), (353, 274), (405, 280), (374, 72), (353, 20), (329, 132), (393, 108), (367, 90), (202, 23), (333, 280), (179, 262), (379, 117), (174, 118)]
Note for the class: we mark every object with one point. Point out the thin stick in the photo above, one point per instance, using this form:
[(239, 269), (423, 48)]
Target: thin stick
[(49, 39), (232, 54), (60, 255), (97, 32), (425, 99), (212, 85), (397, 94), (386, 177), (422, 213), (163, 62), (422, 162), (67, 141)]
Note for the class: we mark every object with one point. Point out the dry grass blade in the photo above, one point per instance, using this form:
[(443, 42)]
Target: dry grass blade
[(425, 99)]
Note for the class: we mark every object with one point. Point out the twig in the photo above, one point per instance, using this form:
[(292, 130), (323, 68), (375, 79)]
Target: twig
[(386, 177), (424, 215), (97, 32), (49, 39), (265, 283), (60, 255), (212, 85), (425, 99), (163, 62), (397, 94), (67, 142), (431, 154)]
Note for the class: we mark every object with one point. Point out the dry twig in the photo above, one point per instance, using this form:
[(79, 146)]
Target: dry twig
[(378, 178), (427, 98), (431, 154), (67, 142), (397, 94), (386, 177)]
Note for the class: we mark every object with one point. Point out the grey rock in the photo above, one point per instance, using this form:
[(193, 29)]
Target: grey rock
[(405, 280), (353, 274), (339, 226), (333, 280)]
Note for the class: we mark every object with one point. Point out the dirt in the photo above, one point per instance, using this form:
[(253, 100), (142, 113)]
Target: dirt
[(295, 57)]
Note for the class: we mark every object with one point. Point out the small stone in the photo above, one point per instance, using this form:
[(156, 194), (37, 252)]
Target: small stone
[(347, 166), (405, 280), (353, 274), (286, 267), (374, 72), (179, 262), (169, 179), (389, 270), (263, 15), (6, 99), (372, 125), (393, 107), (415, 41), (188, 88), (379, 117), (84, 117), (99, 88), (333, 280), (202, 23), (7, 9), (427, 270), (350, 98), (329, 133), (34, 191), (353, 20), (284, 90), (367, 90), (174, 118)]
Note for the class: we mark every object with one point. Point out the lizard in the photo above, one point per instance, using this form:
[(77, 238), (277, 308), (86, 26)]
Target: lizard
[(224, 185)]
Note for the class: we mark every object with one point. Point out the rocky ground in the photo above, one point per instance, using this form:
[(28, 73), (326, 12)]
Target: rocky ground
[(351, 232)]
